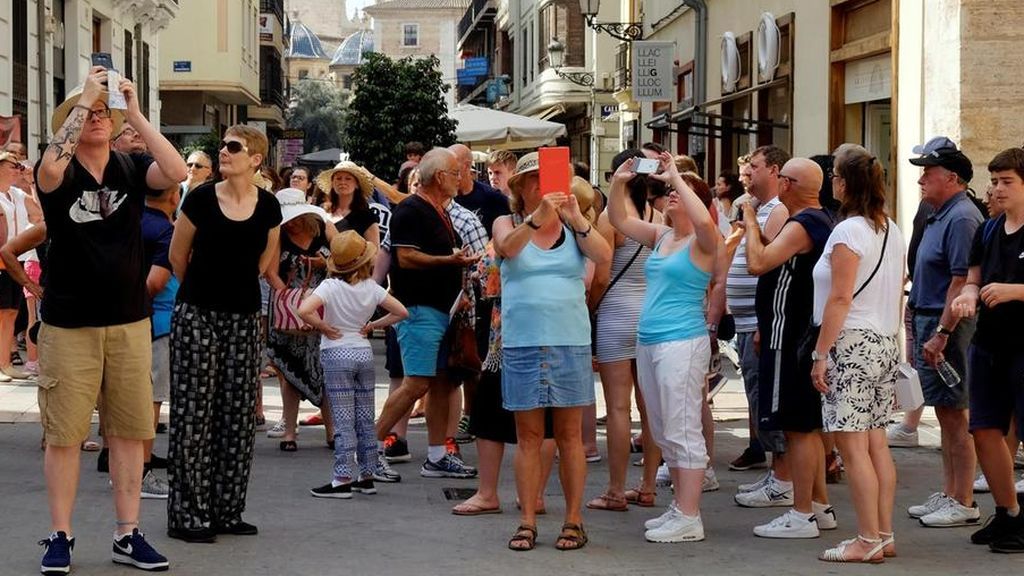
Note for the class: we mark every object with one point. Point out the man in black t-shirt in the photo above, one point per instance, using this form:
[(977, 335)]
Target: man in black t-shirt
[(96, 327), (426, 276), (995, 291), (486, 202)]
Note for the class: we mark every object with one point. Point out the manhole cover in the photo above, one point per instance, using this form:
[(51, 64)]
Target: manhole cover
[(458, 493)]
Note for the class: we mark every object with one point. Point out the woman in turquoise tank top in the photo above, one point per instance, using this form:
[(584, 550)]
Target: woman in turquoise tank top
[(673, 348)]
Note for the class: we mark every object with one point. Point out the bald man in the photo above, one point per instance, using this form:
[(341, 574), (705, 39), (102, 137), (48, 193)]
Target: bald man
[(788, 401), (486, 202)]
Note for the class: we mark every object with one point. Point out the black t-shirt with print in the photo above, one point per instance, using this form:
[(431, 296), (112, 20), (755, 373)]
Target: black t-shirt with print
[(486, 202), (96, 268), (415, 223), (223, 274), (1002, 261)]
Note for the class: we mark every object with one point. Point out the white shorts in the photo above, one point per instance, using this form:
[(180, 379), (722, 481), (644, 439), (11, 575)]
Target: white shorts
[(671, 377)]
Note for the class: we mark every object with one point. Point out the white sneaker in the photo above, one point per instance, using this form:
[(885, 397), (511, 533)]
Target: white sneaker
[(154, 487), (792, 524), (677, 528), (277, 430), (981, 484), (825, 515), (664, 477), (900, 438), (953, 514), (935, 502), (758, 484), (660, 520), (770, 495), (710, 482)]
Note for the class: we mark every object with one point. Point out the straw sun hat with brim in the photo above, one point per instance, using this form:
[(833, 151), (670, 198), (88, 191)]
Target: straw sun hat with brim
[(323, 181), (529, 163), (584, 194), (293, 204), (349, 251), (60, 114)]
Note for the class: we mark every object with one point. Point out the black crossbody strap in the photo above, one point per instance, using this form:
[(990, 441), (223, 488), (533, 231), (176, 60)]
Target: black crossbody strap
[(624, 268), (881, 256)]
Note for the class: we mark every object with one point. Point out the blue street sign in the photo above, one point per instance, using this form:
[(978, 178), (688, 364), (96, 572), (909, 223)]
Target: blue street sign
[(182, 65)]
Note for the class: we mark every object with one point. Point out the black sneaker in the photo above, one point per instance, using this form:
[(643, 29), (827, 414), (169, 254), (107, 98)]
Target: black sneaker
[(364, 486), (994, 529), (103, 461), (1012, 539), (238, 528), (748, 460), (396, 448), (342, 492), (134, 550), (57, 558)]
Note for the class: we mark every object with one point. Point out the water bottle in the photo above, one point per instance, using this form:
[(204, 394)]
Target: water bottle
[(948, 374)]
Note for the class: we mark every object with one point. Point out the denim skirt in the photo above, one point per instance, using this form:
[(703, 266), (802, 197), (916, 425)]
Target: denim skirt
[(546, 377)]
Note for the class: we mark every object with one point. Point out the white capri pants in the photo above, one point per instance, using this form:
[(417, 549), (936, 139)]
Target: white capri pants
[(671, 378)]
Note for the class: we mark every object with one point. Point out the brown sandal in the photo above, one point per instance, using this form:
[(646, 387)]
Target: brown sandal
[(572, 537), (640, 498), (609, 502), (525, 533)]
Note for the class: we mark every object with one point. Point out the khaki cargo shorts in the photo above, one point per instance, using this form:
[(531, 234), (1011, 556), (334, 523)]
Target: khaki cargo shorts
[(82, 367)]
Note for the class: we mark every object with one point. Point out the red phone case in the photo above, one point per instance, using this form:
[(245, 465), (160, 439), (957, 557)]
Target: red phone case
[(555, 170)]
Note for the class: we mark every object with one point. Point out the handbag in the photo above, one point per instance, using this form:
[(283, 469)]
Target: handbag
[(810, 338), (461, 337), (908, 388), (284, 306)]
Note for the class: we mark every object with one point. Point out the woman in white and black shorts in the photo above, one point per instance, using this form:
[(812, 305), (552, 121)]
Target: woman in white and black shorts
[(858, 285)]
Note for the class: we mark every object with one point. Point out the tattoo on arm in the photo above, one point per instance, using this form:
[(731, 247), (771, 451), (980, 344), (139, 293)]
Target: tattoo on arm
[(65, 141)]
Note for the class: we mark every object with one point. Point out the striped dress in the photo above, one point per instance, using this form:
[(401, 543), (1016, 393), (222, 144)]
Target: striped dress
[(619, 312), (741, 286)]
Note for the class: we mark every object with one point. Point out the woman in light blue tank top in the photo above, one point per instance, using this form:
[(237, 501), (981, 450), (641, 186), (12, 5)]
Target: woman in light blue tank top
[(546, 340), (673, 347)]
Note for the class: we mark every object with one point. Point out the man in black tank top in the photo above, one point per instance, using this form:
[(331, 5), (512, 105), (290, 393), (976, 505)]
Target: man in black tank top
[(788, 400)]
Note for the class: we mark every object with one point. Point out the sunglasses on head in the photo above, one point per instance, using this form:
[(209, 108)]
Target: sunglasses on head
[(233, 146)]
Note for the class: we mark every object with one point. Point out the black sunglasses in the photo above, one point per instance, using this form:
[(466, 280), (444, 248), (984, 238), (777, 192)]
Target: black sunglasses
[(197, 164), (233, 146)]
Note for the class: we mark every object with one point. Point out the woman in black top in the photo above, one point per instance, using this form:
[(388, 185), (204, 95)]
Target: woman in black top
[(302, 262), (349, 187), (224, 239)]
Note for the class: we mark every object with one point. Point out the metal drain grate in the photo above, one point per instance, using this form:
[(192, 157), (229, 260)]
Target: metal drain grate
[(458, 493)]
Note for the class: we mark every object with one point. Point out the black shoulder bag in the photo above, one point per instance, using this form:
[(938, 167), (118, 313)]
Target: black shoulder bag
[(593, 314)]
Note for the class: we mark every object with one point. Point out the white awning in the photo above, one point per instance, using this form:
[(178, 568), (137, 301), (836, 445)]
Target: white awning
[(487, 128)]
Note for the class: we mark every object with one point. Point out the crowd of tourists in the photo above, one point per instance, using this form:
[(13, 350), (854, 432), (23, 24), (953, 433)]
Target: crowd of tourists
[(150, 276)]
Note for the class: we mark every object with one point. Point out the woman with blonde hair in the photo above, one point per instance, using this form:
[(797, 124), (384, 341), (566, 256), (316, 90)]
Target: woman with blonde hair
[(858, 287), (224, 239)]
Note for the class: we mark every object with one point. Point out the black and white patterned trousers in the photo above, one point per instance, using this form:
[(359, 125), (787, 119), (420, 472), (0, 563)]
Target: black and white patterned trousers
[(214, 377)]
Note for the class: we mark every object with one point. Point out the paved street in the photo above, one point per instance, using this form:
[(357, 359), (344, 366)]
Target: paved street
[(407, 528)]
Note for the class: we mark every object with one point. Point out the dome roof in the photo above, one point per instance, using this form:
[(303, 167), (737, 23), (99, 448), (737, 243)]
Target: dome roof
[(304, 43), (350, 52)]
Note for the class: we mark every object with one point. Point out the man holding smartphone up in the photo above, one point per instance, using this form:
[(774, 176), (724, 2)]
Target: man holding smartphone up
[(94, 342)]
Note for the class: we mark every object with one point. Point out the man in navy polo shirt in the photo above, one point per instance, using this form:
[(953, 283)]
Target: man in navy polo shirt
[(940, 271)]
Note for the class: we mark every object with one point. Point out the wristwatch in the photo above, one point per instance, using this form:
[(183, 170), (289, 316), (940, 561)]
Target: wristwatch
[(529, 222), (815, 357), (943, 331)]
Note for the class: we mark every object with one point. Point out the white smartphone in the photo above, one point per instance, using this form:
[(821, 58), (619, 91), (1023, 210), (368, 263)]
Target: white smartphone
[(646, 166)]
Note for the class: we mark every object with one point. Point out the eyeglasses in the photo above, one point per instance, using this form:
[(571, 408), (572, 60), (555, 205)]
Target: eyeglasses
[(102, 113), (195, 165), (233, 146), (788, 178)]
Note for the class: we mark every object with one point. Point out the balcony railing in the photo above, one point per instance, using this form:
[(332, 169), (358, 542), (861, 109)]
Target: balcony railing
[(475, 13), (275, 7)]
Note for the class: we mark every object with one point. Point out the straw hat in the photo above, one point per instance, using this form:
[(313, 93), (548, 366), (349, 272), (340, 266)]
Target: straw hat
[(293, 204), (323, 181), (584, 194), (349, 251), (525, 165), (60, 114)]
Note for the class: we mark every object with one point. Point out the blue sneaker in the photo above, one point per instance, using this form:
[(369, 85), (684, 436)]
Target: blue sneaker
[(448, 467), (133, 549), (57, 559)]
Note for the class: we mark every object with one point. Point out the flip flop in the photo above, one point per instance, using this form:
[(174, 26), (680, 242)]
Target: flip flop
[(608, 502), (289, 446), (474, 510), (640, 498), (90, 446)]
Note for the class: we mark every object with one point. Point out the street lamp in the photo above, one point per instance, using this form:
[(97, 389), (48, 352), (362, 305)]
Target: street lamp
[(556, 52), (625, 31)]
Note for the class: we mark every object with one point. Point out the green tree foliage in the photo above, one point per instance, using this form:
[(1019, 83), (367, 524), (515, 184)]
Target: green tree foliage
[(319, 109), (396, 102)]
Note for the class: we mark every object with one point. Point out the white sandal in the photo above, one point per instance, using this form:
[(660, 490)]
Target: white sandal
[(838, 554), (888, 539)]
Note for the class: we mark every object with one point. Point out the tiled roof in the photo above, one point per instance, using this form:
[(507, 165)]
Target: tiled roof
[(418, 5), (350, 52), (304, 43)]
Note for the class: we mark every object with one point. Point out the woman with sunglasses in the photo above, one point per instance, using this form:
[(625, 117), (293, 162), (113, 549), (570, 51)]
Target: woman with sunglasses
[(224, 240), (673, 350)]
